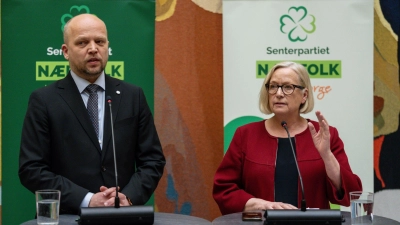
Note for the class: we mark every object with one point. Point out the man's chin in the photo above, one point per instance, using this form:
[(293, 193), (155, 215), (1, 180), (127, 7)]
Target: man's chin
[(94, 73)]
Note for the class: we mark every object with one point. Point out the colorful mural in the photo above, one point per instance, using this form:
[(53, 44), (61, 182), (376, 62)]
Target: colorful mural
[(387, 95), (188, 104)]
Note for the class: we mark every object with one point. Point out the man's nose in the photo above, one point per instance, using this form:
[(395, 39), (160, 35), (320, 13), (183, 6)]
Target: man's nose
[(92, 47)]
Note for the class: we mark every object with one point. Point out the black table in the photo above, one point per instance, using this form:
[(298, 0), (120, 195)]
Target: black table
[(159, 219), (236, 219)]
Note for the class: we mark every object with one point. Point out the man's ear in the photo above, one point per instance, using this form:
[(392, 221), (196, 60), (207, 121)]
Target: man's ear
[(64, 48)]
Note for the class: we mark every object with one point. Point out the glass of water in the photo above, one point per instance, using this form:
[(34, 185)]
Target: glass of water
[(47, 206), (361, 204)]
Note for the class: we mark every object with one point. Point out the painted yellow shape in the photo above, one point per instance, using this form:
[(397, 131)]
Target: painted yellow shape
[(165, 9), (214, 6)]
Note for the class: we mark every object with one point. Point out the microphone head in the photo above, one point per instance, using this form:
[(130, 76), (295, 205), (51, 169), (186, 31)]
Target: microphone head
[(108, 98), (283, 123)]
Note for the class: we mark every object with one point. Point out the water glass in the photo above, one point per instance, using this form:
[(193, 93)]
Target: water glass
[(47, 206), (361, 204)]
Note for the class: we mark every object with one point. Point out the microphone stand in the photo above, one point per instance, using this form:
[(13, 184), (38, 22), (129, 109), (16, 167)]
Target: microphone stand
[(302, 216), (116, 203), (303, 198), (138, 215)]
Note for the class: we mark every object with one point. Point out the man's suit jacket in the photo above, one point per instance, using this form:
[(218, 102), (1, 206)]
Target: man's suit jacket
[(60, 150)]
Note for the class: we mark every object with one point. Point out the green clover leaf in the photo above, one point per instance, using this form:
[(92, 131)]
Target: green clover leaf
[(74, 10), (297, 24)]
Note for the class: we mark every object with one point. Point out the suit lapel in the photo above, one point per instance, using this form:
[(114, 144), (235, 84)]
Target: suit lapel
[(112, 90), (69, 92)]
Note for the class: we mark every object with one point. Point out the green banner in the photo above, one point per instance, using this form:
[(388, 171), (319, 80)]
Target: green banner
[(315, 68), (32, 58)]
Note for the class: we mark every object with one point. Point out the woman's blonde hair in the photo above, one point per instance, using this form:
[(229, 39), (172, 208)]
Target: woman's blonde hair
[(301, 71)]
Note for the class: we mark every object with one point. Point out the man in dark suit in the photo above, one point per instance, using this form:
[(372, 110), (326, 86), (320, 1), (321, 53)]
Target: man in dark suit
[(67, 145)]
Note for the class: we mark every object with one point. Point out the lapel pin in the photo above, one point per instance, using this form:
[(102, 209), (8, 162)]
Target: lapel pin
[(118, 92)]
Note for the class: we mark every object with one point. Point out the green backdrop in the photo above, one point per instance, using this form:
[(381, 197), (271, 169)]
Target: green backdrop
[(31, 58)]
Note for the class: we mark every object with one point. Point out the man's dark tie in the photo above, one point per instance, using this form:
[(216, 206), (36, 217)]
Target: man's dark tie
[(92, 106)]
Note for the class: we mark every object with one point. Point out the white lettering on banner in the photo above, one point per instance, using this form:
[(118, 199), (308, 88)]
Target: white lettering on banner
[(51, 51), (55, 51)]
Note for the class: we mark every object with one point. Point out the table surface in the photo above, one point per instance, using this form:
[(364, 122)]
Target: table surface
[(159, 219), (236, 219), (230, 219)]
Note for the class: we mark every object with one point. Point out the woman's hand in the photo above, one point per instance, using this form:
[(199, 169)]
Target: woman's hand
[(322, 138), (255, 204), (322, 144)]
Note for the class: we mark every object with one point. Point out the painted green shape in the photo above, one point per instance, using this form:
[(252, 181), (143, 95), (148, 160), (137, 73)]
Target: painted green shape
[(230, 128), (334, 206)]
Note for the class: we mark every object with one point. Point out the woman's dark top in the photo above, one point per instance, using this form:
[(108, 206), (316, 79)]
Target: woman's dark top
[(286, 176)]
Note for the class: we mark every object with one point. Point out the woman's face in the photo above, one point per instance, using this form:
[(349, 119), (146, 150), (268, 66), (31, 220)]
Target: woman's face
[(286, 104)]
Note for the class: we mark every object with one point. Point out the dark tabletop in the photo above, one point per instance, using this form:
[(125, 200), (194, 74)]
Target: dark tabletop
[(236, 219), (159, 219)]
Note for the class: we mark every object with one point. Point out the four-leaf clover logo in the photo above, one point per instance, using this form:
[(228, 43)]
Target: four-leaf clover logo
[(297, 24), (74, 10)]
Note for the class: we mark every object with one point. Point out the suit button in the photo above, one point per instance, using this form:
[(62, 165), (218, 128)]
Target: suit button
[(103, 169)]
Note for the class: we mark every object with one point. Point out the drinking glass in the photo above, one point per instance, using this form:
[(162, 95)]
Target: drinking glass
[(47, 206), (361, 204)]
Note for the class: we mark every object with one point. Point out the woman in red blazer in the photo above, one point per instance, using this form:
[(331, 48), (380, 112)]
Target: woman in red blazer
[(258, 172)]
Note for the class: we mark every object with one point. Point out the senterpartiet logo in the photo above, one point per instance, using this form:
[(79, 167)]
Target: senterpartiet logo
[(73, 11), (315, 68), (297, 24)]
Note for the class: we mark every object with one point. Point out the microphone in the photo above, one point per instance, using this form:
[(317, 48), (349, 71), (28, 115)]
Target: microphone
[(302, 216), (116, 204), (140, 215), (303, 200)]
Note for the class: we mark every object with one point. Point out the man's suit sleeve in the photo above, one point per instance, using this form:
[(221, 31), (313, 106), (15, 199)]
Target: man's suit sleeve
[(35, 156), (149, 158)]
